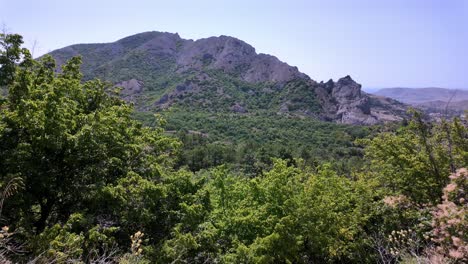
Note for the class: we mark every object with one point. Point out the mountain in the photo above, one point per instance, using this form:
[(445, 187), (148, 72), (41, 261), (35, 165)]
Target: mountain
[(432, 100), (421, 95), (160, 70), (453, 105)]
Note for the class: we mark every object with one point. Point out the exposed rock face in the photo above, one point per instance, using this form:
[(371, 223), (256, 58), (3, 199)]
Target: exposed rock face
[(352, 106), (130, 88), (161, 44), (223, 52), (236, 57), (238, 108), (269, 68), (181, 70), (344, 102), (346, 90)]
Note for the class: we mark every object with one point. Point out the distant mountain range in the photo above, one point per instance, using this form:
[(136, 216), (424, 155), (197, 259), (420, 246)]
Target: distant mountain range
[(430, 99), (159, 70), (422, 95)]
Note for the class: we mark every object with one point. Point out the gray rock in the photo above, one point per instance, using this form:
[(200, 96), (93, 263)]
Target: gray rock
[(344, 102), (234, 56), (130, 89), (238, 108)]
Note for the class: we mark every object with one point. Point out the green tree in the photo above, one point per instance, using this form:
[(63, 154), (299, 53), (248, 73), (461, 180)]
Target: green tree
[(67, 139), (11, 54), (286, 215), (414, 160)]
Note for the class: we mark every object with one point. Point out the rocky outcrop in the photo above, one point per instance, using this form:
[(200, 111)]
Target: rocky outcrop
[(226, 53), (238, 108), (130, 88), (344, 102), (235, 57)]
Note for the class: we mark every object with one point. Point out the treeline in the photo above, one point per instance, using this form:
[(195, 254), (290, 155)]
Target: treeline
[(82, 181)]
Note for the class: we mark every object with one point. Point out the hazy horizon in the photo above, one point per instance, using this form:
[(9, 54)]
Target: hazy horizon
[(374, 89), (381, 44)]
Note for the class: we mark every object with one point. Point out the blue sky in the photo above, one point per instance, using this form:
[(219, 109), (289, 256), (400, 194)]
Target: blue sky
[(385, 43)]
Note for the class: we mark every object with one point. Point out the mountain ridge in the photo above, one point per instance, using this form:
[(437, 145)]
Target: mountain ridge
[(425, 94), (433, 100), (159, 70)]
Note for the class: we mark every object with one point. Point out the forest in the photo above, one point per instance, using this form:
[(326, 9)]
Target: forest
[(84, 178)]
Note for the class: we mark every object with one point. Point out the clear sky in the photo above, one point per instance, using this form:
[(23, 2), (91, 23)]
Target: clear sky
[(380, 43)]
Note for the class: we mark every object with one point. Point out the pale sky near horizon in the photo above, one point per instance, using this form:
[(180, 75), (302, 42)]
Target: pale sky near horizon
[(386, 43)]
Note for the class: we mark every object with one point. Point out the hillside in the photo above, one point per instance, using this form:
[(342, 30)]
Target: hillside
[(431, 100), (422, 95), (223, 74), (455, 105), (443, 108)]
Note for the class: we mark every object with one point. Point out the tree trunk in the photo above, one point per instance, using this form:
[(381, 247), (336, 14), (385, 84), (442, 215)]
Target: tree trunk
[(46, 208)]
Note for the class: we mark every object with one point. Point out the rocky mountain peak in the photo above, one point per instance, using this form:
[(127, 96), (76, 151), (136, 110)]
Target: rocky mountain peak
[(141, 38), (225, 53), (236, 57), (344, 101), (346, 90), (346, 79), (160, 69), (161, 43)]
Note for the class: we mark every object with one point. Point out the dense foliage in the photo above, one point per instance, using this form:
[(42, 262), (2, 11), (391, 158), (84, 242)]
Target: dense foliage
[(248, 142), (82, 181)]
